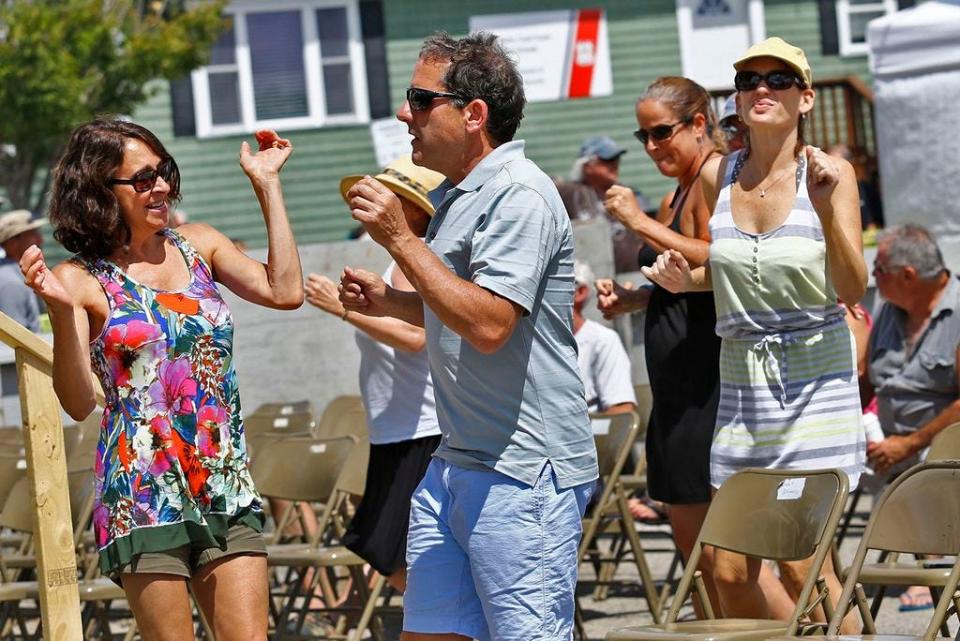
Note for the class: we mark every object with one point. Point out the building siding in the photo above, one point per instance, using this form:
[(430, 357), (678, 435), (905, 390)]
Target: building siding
[(644, 44)]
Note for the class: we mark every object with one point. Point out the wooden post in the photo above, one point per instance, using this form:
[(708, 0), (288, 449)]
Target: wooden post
[(53, 526)]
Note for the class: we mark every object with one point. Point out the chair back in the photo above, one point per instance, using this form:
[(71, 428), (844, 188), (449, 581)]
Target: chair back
[(296, 423), (774, 514), (613, 435), (353, 478), (18, 509), (283, 408), (12, 468), (342, 415), (300, 468), (946, 444), (919, 513)]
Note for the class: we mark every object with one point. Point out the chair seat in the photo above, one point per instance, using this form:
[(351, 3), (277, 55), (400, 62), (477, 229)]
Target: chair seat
[(855, 637), (709, 630), (305, 556), (93, 590), (101, 589), (17, 590), (902, 574)]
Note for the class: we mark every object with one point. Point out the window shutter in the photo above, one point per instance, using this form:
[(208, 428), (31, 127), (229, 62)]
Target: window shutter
[(375, 57), (181, 106), (829, 34)]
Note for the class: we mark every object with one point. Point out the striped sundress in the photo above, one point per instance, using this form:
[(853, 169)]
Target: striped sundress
[(788, 377)]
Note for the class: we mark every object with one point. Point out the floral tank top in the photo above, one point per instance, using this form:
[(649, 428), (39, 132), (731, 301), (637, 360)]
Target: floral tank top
[(171, 464)]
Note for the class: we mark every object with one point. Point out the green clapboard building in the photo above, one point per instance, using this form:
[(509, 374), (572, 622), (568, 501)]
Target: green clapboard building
[(319, 71)]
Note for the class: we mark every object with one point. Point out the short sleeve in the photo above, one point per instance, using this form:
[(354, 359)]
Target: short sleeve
[(513, 245), (611, 373)]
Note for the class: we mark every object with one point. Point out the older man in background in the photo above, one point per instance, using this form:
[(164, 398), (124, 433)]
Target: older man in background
[(914, 345), (18, 231)]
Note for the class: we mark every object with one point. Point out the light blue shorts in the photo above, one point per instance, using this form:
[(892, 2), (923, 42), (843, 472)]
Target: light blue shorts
[(490, 557)]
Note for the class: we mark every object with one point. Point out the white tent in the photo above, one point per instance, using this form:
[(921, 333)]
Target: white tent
[(915, 58)]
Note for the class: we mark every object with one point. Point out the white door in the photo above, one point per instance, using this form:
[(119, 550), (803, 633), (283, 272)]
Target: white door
[(714, 33)]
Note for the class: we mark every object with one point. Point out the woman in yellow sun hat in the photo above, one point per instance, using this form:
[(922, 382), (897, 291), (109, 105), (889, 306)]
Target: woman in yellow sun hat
[(397, 391), (786, 244)]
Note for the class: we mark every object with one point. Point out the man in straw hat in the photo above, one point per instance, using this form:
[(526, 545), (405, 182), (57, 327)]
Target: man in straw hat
[(495, 523), (18, 231), (397, 391)]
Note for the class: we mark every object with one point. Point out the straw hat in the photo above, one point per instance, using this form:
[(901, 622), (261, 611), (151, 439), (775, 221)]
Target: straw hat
[(14, 223), (778, 48), (403, 178)]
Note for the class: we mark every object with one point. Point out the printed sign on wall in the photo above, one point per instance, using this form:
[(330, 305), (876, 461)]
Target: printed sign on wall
[(560, 54)]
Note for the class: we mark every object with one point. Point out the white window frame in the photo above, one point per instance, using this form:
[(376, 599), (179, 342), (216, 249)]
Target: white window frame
[(312, 67), (844, 10)]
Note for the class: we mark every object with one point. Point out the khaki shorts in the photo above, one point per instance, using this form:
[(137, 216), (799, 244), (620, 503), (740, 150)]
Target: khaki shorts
[(186, 560)]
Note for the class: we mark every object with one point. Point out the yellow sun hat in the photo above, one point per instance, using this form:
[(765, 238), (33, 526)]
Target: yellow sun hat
[(782, 50), (403, 178)]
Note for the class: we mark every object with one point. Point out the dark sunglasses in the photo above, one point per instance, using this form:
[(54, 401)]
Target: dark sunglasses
[(777, 80), (145, 179), (422, 99), (658, 133)]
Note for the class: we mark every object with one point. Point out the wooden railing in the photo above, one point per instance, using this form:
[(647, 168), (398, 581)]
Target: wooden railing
[(47, 471), (842, 114)]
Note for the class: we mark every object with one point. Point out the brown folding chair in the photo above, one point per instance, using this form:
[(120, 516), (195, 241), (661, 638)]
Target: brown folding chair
[(345, 415), (918, 513), (614, 436), (334, 475), (770, 514), (889, 570)]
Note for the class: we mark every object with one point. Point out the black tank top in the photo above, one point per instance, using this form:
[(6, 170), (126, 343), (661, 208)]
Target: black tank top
[(647, 254)]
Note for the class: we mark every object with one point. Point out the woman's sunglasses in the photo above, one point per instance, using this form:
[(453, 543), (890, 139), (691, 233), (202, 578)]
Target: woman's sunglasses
[(422, 99), (145, 179), (776, 80), (658, 133)]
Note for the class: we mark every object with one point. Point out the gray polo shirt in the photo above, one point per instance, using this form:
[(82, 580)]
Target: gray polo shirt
[(504, 228), (912, 390), (16, 299)]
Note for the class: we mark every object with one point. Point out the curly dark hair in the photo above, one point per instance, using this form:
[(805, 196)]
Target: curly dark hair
[(481, 68), (84, 211)]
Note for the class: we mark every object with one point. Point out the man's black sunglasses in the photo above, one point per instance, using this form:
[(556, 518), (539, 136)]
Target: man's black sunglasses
[(422, 99), (145, 179), (777, 80), (658, 133)]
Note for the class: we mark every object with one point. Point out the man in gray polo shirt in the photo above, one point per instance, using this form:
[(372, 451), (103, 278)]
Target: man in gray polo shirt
[(495, 524), (914, 358)]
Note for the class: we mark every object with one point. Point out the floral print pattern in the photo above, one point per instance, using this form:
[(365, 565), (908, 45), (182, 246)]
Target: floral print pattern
[(171, 447)]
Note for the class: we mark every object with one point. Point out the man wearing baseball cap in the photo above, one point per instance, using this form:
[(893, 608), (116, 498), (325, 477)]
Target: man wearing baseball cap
[(18, 231)]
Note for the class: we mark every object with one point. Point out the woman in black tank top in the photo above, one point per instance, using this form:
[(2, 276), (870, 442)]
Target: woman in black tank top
[(682, 348)]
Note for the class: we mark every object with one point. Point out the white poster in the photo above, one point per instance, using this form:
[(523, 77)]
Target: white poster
[(560, 54), (714, 33), (390, 140)]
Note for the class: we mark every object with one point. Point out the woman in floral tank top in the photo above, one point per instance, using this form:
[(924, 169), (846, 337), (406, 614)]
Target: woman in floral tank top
[(138, 306)]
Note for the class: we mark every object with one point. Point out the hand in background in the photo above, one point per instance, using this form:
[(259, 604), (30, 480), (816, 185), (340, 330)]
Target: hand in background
[(322, 292), (363, 292)]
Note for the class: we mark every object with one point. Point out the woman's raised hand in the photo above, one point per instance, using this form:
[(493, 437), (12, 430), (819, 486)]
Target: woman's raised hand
[(671, 271), (265, 164), (38, 277), (823, 176), (622, 204)]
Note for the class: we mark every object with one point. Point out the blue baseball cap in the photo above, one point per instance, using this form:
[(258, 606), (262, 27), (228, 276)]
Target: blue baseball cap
[(602, 147)]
